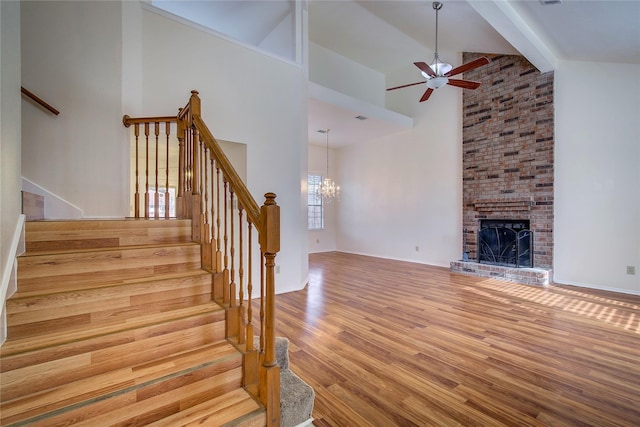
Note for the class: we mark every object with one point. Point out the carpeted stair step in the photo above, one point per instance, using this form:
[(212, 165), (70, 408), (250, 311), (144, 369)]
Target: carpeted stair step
[(296, 396)]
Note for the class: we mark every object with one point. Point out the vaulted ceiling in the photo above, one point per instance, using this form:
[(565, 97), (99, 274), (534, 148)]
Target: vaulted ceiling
[(386, 35)]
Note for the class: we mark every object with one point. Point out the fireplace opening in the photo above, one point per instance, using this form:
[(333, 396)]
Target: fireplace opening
[(507, 242)]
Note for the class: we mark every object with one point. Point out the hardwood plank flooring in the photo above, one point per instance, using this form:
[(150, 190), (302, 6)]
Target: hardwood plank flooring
[(386, 343)]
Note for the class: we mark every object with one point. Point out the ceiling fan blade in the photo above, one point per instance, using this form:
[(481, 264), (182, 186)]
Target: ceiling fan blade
[(468, 66), (426, 95), (425, 67), (465, 84), (410, 84)]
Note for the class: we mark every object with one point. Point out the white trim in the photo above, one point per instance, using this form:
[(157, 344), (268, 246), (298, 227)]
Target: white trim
[(154, 9), (16, 248), (55, 207), (333, 97), (510, 25), (414, 261), (597, 287), (306, 423)]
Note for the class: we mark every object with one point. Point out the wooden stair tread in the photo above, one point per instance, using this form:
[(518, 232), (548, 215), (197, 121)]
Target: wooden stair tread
[(120, 381), (114, 323), (192, 402), (43, 253), (45, 236), (25, 373), (20, 345), (236, 405), (64, 271), (71, 287)]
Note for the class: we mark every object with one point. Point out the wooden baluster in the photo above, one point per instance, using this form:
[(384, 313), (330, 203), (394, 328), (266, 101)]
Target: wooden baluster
[(189, 172), (214, 264), (181, 132), (156, 196), (136, 197), (252, 356), (188, 178), (196, 207), (262, 296), (146, 187), (218, 234), (206, 238), (233, 291), (167, 201), (241, 308), (250, 332), (225, 271)]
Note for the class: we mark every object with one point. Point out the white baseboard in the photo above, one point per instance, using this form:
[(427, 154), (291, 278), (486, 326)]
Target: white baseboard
[(55, 207), (597, 287), (306, 423), (10, 274)]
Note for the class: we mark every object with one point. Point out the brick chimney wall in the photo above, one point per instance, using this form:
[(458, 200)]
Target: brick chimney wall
[(508, 142)]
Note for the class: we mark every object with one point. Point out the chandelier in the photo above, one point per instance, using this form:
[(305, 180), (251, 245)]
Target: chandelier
[(328, 189)]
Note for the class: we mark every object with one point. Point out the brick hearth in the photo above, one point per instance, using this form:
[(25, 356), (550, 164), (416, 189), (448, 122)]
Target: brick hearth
[(528, 276), (508, 142)]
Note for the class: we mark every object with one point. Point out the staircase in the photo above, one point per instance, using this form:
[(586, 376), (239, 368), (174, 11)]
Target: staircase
[(114, 324), (152, 321)]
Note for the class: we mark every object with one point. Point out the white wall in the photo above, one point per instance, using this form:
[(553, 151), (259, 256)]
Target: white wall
[(247, 97), (324, 240), (11, 221), (93, 70), (346, 76), (404, 191), (597, 175), (71, 57)]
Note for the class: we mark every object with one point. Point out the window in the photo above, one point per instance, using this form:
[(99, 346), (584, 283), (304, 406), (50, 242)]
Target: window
[(314, 203)]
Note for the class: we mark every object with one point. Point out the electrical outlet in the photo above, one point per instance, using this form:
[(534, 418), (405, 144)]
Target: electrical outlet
[(631, 269), (277, 269), (317, 240), (417, 248)]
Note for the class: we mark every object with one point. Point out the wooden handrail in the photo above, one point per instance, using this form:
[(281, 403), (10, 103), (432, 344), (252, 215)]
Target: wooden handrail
[(39, 101), (242, 193), (198, 154), (128, 121)]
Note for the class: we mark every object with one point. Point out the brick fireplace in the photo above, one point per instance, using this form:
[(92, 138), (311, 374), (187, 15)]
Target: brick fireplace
[(508, 142)]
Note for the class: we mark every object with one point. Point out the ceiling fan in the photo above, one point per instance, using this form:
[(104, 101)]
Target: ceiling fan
[(439, 73)]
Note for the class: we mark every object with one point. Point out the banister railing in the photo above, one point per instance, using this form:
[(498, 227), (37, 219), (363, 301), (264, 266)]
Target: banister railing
[(39, 101), (181, 151)]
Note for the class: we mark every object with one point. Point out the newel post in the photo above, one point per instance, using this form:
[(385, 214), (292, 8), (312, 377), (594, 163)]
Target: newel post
[(270, 372), (196, 207)]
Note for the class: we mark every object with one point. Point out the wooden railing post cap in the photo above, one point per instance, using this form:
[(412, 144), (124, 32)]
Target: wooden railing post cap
[(270, 213), (195, 92), (270, 199)]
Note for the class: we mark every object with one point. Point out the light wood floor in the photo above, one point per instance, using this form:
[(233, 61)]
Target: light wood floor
[(393, 343)]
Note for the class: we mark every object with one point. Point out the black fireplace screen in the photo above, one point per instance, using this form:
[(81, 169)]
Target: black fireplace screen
[(505, 242)]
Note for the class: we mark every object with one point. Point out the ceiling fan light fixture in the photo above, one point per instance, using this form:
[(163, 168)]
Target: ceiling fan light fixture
[(441, 68), (437, 82), (438, 73)]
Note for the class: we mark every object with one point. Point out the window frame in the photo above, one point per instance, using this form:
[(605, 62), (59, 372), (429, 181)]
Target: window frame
[(315, 203)]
